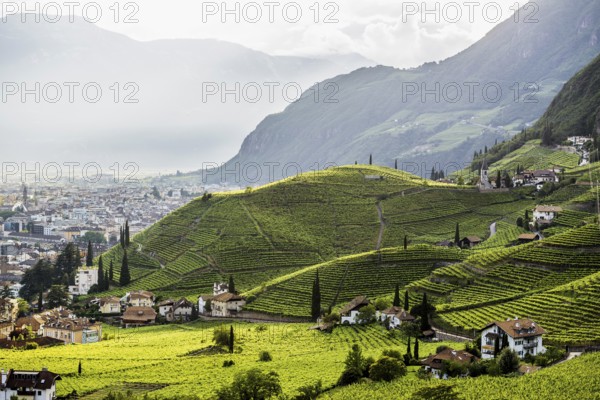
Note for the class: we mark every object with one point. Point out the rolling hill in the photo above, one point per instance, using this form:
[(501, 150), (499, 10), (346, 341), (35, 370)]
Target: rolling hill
[(258, 235)]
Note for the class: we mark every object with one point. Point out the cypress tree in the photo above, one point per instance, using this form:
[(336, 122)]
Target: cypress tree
[(125, 277), (41, 301), (89, 258), (498, 180), (432, 176), (406, 304), (231, 340), (127, 242), (408, 350), (101, 283), (416, 351), (397, 296), (504, 342), (316, 299), (496, 347), (106, 281), (79, 368), (122, 237), (231, 286), (425, 314), (396, 164), (457, 235), (405, 242), (370, 159), (111, 272)]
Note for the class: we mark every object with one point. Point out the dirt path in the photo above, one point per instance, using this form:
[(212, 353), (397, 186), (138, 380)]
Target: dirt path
[(381, 226)]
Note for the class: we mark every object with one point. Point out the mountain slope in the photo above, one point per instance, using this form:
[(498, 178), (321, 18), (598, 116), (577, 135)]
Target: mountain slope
[(576, 109), (375, 114)]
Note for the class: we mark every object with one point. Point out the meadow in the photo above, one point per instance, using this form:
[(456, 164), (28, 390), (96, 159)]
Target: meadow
[(168, 361)]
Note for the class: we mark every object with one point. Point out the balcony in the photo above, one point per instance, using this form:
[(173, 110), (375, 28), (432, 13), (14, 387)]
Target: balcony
[(529, 345)]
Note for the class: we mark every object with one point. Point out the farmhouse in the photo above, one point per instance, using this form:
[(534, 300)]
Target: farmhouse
[(528, 237), (522, 335), (227, 305), (203, 302), (180, 310), (6, 328), (140, 298), (396, 316), (470, 242), (546, 213), (138, 316), (350, 312), (79, 330), (110, 305), (435, 363), (29, 385)]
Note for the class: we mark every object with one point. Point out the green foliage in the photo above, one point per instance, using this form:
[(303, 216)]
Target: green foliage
[(220, 337), (366, 315), (57, 297), (355, 365), (251, 385), (387, 369), (508, 361), (310, 392), (265, 356)]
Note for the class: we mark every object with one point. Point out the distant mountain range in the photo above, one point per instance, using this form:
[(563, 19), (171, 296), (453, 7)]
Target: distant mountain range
[(172, 123), (489, 92)]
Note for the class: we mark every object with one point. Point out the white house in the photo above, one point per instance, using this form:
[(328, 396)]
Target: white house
[(546, 213), (349, 313), (31, 385), (182, 310), (85, 278), (218, 288), (396, 316), (227, 305), (435, 362), (523, 335), (139, 298), (176, 310)]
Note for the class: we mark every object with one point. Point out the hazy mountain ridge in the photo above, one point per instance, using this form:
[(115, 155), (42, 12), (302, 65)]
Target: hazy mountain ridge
[(172, 122)]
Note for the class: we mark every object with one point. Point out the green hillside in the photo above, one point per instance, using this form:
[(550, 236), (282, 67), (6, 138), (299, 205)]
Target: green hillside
[(576, 109), (313, 218)]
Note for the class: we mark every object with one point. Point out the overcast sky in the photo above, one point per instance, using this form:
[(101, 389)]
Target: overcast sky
[(390, 32)]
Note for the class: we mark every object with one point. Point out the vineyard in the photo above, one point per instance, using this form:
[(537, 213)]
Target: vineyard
[(373, 274), (576, 379), (273, 231), (168, 361)]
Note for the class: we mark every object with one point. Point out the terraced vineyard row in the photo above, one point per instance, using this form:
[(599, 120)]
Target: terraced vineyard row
[(373, 274)]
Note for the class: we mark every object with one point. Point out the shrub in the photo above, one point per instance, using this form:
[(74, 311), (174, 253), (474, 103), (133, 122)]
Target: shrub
[(477, 369), (260, 385), (265, 356), (221, 337), (392, 354), (228, 363), (387, 369), (310, 392), (355, 366), (31, 346), (508, 361)]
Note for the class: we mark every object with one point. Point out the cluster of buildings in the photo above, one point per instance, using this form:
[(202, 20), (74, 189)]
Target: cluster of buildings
[(59, 324), (55, 214), (522, 335)]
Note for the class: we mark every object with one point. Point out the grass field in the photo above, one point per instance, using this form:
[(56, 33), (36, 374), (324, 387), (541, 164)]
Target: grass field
[(164, 360)]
